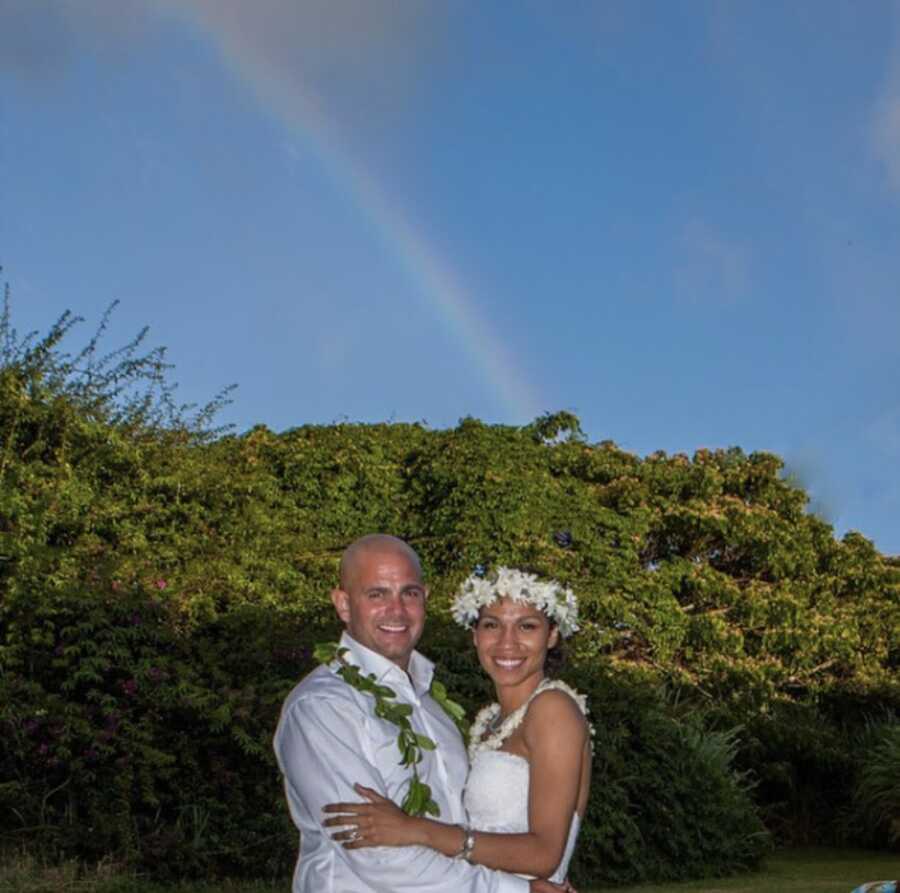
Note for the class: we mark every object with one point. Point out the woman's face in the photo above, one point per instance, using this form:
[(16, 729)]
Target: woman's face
[(512, 639)]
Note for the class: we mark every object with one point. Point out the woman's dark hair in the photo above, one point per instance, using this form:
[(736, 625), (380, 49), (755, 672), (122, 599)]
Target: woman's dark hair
[(556, 656)]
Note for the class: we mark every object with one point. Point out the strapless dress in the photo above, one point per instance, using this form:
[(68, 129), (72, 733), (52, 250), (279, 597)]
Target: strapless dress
[(496, 798)]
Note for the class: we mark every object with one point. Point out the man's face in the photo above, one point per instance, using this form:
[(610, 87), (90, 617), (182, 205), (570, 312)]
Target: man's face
[(383, 606)]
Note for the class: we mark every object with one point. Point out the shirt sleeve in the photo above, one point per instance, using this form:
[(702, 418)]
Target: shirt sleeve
[(319, 748)]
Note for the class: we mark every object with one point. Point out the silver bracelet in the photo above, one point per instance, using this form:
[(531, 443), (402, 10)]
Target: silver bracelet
[(468, 844)]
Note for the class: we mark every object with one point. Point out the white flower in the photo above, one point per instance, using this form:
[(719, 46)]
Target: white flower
[(486, 735), (556, 601)]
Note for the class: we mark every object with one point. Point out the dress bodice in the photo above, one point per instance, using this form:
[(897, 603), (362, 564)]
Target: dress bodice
[(496, 794), (496, 798)]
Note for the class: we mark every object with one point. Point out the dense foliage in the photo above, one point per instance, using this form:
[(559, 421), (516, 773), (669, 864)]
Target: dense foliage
[(161, 589)]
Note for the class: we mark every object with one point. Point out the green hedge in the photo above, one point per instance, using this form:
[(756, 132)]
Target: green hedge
[(133, 738), (160, 590)]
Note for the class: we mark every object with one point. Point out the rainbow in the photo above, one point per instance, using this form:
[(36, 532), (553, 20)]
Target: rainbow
[(434, 279)]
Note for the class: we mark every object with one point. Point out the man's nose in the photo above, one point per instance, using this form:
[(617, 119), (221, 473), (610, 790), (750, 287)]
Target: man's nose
[(395, 602)]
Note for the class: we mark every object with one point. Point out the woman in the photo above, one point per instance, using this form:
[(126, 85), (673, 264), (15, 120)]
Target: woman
[(529, 753)]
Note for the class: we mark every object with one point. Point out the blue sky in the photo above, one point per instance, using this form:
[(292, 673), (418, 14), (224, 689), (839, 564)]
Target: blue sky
[(679, 220)]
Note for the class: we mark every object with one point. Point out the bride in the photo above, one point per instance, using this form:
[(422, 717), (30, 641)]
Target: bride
[(529, 753)]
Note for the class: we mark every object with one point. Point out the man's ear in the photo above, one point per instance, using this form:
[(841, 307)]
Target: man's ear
[(341, 602)]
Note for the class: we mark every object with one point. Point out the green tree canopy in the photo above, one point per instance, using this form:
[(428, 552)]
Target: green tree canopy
[(164, 578)]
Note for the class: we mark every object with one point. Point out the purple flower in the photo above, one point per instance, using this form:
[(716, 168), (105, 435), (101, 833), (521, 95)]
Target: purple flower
[(43, 748), (161, 584), (31, 726), (155, 674), (130, 687), (136, 619)]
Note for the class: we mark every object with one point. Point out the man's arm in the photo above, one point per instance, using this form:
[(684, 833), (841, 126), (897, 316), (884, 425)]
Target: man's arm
[(318, 749)]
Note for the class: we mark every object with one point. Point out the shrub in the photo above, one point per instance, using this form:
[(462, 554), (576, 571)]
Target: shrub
[(125, 736), (667, 801), (803, 762), (161, 583), (876, 793)]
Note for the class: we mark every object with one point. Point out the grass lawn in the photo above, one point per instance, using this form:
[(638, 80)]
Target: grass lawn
[(796, 871)]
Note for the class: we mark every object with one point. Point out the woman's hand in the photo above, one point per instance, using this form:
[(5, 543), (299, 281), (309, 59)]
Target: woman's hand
[(379, 822)]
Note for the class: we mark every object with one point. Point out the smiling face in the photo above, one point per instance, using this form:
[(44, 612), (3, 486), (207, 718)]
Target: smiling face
[(512, 640), (382, 602)]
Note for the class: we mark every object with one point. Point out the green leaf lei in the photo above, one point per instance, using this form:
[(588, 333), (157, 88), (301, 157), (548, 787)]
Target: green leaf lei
[(418, 800)]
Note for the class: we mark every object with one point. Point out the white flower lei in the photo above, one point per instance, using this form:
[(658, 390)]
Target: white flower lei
[(557, 602), (487, 715)]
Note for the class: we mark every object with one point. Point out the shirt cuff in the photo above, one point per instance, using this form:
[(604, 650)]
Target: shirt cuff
[(511, 883)]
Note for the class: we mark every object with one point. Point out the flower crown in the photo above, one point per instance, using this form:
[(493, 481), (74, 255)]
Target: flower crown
[(476, 592)]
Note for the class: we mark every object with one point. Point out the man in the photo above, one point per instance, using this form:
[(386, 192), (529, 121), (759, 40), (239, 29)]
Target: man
[(328, 738)]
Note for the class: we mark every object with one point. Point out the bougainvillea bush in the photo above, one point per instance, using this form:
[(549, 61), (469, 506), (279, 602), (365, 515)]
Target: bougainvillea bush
[(162, 585)]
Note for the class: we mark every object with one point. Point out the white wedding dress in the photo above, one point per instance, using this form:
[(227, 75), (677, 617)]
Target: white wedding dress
[(496, 795)]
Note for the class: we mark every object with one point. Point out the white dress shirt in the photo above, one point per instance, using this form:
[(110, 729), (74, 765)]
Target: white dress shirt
[(328, 737)]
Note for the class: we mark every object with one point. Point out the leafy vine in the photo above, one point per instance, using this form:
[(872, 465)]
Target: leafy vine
[(411, 744)]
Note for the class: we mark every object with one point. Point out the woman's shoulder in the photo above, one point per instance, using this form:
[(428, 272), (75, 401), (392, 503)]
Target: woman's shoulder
[(555, 703), (558, 707), (561, 694)]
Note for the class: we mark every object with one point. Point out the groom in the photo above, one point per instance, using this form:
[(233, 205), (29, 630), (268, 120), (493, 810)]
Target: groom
[(328, 737)]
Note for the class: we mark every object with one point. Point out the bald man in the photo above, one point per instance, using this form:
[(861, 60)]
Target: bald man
[(328, 737)]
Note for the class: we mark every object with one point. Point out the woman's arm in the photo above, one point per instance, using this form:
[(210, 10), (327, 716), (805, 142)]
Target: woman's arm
[(554, 732), (380, 822)]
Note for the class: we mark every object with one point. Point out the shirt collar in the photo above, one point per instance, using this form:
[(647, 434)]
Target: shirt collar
[(421, 670)]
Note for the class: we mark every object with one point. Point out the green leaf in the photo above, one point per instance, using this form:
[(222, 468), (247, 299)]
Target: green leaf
[(410, 744), (418, 800), (326, 652), (450, 707)]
